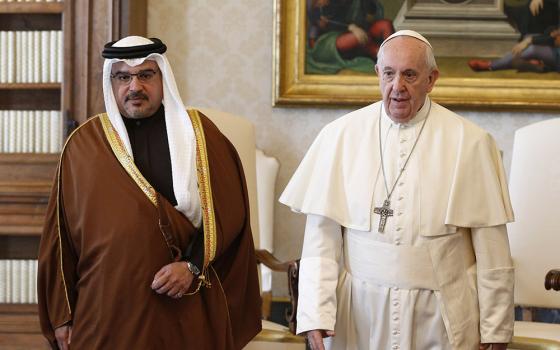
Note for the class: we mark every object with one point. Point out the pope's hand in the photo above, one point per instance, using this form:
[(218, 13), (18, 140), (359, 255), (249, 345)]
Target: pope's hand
[(315, 338), (63, 335), (173, 279)]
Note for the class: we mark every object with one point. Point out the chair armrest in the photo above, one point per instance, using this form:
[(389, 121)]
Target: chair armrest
[(525, 343), (273, 332), (291, 267), (552, 280), (267, 259)]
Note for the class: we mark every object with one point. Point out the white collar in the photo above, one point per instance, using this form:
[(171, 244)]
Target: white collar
[(420, 116)]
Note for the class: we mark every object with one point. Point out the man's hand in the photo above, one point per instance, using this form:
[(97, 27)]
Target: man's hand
[(522, 45), (535, 6), (63, 335), (493, 346), (174, 280), (315, 338)]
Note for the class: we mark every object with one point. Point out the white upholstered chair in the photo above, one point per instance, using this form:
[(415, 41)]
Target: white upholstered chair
[(241, 132), (267, 169), (535, 235)]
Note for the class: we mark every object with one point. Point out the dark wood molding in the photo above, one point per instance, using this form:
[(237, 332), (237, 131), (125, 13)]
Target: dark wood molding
[(30, 86), (30, 21), (133, 16), (25, 186), (27, 169), (19, 327), (19, 98), (37, 7)]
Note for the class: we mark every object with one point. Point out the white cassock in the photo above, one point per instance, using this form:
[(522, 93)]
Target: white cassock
[(440, 276)]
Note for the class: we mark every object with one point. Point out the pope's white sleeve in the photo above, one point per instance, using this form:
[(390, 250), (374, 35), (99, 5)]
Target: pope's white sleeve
[(318, 274), (495, 283)]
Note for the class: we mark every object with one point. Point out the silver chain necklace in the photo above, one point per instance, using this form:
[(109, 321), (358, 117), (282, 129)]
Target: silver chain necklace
[(385, 210)]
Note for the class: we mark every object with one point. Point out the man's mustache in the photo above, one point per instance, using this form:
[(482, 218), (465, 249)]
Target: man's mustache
[(135, 95)]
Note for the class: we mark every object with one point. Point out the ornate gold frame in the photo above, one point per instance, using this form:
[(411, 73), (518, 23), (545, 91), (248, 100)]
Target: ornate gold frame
[(291, 86)]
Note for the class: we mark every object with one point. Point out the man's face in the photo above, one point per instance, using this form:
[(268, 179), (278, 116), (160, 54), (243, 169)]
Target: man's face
[(404, 77), (138, 96)]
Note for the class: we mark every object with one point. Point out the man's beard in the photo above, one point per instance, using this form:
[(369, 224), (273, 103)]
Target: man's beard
[(137, 112)]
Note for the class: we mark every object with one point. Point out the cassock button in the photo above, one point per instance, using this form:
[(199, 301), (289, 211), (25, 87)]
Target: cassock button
[(395, 332), (395, 318), (395, 346), (395, 303), (403, 155), (401, 198), (399, 213), (399, 228), (401, 183), (403, 140)]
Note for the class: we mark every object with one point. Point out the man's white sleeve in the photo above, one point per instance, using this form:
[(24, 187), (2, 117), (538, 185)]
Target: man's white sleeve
[(495, 283), (318, 274)]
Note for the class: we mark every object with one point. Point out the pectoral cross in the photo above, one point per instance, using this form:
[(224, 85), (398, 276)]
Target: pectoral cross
[(384, 212)]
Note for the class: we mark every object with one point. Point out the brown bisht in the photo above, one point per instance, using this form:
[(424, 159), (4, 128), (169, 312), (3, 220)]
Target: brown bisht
[(102, 245)]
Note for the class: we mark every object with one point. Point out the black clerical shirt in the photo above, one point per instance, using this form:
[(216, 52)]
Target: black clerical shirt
[(150, 147)]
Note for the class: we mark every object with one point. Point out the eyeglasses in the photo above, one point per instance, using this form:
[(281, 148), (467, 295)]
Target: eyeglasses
[(145, 76)]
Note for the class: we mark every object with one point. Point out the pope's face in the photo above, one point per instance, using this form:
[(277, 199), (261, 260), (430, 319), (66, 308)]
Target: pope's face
[(138, 90), (404, 77)]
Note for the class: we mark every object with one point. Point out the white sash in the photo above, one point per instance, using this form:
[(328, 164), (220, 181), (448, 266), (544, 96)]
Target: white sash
[(386, 264)]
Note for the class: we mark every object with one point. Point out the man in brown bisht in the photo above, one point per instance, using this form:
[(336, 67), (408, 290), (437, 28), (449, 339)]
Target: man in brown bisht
[(147, 242)]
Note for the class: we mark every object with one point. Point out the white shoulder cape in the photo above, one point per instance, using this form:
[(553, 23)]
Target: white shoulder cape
[(463, 182)]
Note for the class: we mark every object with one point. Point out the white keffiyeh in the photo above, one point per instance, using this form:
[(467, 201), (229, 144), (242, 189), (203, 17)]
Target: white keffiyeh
[(180, 132)]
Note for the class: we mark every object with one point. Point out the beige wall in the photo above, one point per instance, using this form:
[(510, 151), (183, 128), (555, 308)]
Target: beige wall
[(221, 53)]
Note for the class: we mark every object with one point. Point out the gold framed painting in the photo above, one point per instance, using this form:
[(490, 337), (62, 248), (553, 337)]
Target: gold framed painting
[(468, 37)]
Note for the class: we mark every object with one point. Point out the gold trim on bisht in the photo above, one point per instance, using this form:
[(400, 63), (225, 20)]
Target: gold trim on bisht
[(204, 190), (125, 159)]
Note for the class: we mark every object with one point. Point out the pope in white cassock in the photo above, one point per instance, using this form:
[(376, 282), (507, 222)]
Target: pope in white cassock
[(405, 243)]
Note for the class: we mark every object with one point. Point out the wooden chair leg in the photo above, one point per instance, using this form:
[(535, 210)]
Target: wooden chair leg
[(266, 304)]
